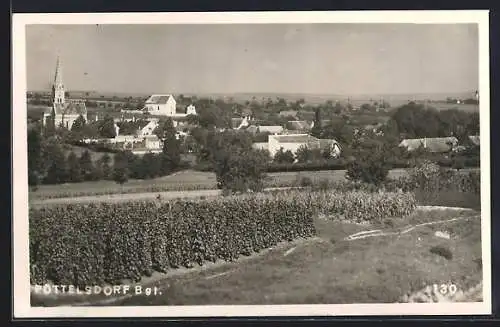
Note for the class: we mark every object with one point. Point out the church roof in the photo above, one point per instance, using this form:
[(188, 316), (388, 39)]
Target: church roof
[(70, 108)]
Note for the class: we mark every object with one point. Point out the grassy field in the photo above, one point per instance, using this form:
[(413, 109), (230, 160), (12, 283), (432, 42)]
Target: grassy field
[(181, 181), (327, 269)]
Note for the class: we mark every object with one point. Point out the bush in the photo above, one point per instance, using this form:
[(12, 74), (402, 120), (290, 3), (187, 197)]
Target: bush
[(442, 251), (97, 243)]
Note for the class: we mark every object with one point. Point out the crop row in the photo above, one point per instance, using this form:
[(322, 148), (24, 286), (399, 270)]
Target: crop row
[(107, 243), (92, 244)]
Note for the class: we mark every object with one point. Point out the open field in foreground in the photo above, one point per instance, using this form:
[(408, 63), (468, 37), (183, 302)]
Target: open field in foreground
[(187, 180), (326, 269)]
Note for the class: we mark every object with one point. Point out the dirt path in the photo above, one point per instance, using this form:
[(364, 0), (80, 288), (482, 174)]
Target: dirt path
[(137, 196), (407, 229)]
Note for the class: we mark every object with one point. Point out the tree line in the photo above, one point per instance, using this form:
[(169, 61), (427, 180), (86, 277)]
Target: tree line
[(49, 164)]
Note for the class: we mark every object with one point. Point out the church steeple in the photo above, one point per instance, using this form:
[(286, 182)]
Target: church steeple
[(58, 76), (58, 87)]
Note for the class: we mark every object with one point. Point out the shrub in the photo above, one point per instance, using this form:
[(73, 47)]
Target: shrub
[(442, 251), (97, 243), (284, 157)]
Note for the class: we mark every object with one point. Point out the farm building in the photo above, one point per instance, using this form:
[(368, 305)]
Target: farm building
[(64, 111), (293, 142), (435, 145)]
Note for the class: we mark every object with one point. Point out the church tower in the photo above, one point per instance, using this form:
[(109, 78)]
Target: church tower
[(58, 86)]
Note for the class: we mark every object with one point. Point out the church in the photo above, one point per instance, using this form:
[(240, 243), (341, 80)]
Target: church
[(64, 111)]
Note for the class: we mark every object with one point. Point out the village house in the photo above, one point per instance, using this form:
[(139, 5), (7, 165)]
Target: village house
[(434, 145), (149, 128), (64, 111), (293, 142)]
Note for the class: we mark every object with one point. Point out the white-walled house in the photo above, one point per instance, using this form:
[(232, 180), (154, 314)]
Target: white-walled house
[(149, 128), (161, 105), (431, 144), (152, 142), (293, 142), (191, 110)]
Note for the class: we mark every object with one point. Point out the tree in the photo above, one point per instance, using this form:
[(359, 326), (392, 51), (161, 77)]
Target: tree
[(339, 131), (304, 154), (74, 169), (106, 127), (238, 167), (86, 166), (316, 130), (34, 157), (171, 152), (150, 166), (78, 124), (284, 156), (57, 172), (50, 124), (105, 166), (370, 165), (120, 168)]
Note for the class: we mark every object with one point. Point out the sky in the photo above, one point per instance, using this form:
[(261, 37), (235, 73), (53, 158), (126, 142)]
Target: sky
[(344, 59)]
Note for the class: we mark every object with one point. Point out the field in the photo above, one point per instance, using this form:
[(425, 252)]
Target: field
[(327, 268), (182, 181)]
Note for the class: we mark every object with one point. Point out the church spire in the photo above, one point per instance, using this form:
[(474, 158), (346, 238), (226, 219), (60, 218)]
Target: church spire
[(58, 80)]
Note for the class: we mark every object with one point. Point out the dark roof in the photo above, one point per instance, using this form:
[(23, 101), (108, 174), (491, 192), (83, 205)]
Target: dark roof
[(71, 108), (158, 99)]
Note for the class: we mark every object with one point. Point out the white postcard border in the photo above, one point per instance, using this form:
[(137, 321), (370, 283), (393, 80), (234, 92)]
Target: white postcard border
[(21, 285)]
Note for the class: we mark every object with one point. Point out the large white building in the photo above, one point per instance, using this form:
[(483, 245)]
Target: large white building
[(165, 105), (161, 105)]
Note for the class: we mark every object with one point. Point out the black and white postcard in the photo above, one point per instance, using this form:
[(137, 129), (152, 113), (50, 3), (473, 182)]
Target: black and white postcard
[(251, 164)]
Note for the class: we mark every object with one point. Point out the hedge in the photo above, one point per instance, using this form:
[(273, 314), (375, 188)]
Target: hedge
[(338, 165), (99, 243)]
